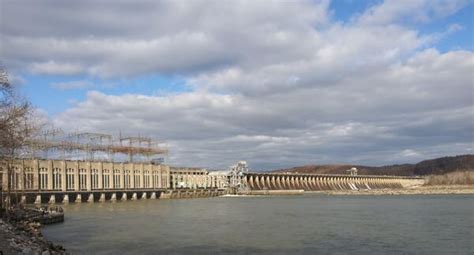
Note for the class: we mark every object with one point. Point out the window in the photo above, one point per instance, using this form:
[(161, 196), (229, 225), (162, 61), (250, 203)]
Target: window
[(82, 179), (146, 179), (95, 179), (70, 179), (29, 178), (56, 179), (117, 179), (136, 182), (126, 179), (106, 179), (155, 179), (14, 178), (43, 181)]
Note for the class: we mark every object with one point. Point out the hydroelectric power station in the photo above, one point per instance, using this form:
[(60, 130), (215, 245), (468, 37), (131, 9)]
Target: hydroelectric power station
[(86, 167)]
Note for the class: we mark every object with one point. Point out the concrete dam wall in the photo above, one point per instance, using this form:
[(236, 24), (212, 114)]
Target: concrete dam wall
[(315, 182)]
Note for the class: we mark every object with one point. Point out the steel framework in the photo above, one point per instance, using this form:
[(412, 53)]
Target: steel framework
[(86, 145)]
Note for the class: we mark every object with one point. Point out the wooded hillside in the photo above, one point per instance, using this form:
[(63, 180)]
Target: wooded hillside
[(427, 167)]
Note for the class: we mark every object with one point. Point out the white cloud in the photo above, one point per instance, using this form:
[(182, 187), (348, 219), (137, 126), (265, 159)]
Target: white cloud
[(158, 37), (420, 103), (53, 68), (410, 153)]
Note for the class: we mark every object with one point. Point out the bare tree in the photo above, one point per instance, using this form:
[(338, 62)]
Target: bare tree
[(16, 128)]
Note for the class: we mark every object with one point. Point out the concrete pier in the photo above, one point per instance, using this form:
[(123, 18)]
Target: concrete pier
[(90, 199), (102, 197), (52, 199), (7, 200), (23, 200), (66, 199), (78, 198), (37, 200)]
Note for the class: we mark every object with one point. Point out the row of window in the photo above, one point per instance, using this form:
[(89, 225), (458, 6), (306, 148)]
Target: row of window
[(15, 178), (148, 181), (183, 181)]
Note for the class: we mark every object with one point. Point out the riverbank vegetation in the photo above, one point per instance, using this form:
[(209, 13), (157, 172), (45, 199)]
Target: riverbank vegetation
[(453, 178)]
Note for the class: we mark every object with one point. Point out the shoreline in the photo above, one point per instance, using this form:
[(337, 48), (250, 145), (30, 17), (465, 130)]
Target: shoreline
[(420, 190), (414, 190), (25, 237)]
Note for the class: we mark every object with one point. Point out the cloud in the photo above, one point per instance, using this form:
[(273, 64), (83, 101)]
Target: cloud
[(158, 37), (53, 68), (277, 83), (419, 104), (81, 84)]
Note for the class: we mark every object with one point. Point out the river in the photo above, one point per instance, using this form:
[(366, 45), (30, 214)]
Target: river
[(309, 224)]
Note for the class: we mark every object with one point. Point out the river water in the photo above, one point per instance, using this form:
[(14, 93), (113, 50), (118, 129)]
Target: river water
[(309, 224)]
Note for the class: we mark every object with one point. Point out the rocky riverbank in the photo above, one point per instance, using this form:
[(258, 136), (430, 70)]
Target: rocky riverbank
[(420, 190), (25, 237)]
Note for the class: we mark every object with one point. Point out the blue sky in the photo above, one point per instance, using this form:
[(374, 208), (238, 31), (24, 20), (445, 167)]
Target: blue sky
[(41, 91), (462, 39), (279, 84), (344, 10)]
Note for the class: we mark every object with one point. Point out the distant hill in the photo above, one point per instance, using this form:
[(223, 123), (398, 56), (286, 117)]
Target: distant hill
[(427, 167)]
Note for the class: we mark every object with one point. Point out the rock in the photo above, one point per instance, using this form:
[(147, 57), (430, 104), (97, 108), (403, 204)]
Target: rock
[(14, 246), (27, 251), (24, 237)]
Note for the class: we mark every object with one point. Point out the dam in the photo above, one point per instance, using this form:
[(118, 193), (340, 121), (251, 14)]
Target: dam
[(95, 167), (319, 182), (63, 181)]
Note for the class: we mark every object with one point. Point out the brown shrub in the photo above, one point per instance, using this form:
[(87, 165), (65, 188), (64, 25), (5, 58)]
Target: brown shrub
[(453, 178)]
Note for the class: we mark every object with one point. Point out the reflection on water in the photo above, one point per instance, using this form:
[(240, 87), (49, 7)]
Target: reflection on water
[(310, 224)]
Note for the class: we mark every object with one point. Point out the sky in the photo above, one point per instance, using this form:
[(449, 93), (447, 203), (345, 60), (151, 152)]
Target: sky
[(276, 83)]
